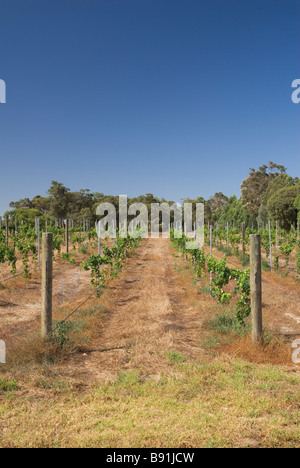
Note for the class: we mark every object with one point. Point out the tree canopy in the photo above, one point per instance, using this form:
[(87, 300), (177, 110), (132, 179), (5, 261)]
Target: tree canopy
[(267, 193)]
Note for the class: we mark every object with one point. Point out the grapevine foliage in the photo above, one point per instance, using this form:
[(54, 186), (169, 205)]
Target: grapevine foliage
[(222, 274), (113, 258)]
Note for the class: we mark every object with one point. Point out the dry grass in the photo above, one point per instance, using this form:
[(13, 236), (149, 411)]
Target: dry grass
[(225, 403), (31, 359), (225, 336), (276, 352)]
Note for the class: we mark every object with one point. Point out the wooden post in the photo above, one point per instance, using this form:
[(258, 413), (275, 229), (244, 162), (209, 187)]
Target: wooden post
[(99, 253), (7, 230), (67, 236), (271, 249), (84, 232), (70, 233), (211, 252), (38, 242), (256, 287), (243, 237), (227, 235), (47, 284)]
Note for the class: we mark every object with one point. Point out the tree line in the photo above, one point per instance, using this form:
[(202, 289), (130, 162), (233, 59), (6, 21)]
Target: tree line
[(267, 193)]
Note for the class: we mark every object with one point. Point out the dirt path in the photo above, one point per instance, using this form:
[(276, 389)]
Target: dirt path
[(155, 310)]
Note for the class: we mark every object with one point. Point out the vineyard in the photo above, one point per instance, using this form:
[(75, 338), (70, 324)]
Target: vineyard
[(282, 246), (225, 273), (20, 256), (128, 311), (150, 227)]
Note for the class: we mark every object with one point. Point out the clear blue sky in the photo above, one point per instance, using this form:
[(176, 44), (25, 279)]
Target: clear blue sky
[(174, 97)]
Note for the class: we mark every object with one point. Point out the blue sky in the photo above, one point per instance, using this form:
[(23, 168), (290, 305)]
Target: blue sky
[(174, 97)]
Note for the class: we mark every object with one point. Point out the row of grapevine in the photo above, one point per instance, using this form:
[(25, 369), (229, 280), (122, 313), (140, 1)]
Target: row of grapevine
[(278, 243), (113, 258), (24, 244), (220, 276)]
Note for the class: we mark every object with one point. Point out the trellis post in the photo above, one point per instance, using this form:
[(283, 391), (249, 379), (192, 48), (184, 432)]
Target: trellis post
[(256, 287), (47, 272)]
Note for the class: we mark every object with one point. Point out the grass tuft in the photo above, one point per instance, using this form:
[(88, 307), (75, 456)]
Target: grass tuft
[(174, 357), (8, 385), (226, 323)]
